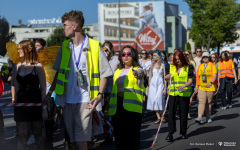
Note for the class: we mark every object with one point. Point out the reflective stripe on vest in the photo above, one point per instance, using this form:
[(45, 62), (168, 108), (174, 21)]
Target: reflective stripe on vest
[(135, 91), (179, 80), (226, 70), (133, 95), (132, 101), (92, 68)]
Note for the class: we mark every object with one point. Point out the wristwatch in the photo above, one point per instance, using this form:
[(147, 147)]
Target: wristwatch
[(211, 82), (100, 94)]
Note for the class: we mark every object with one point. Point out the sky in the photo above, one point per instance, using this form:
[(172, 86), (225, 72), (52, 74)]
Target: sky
[(13, 10)]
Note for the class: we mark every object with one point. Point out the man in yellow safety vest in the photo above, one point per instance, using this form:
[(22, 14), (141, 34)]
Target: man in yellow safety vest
[(82, 71)]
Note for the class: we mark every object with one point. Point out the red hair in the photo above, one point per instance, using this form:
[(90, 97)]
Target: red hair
[(181, 57)]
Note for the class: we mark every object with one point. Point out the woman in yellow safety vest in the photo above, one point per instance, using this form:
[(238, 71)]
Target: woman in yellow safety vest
[(181, 74), (226, 75), (125, 105), (205, 77)]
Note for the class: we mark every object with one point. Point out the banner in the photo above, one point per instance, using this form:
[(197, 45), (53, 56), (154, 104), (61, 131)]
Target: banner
[(125, 12), (141, 22)]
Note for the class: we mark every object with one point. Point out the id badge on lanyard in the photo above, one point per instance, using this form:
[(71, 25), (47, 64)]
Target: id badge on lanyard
[(204, 77), (80, 78)]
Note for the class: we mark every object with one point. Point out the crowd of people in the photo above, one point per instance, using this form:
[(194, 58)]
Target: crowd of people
[(129, 84)]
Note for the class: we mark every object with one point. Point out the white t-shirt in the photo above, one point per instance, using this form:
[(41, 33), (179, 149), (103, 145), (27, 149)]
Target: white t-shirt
[(75, 93), (113, 63), (146, 65), (198, 62)]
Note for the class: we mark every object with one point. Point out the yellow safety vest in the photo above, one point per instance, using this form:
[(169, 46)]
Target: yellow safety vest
[(133, 95), (92, 68), (179, 80)]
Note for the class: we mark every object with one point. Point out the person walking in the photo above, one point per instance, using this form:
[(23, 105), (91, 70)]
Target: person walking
[(190, 59), (145, 63), (181, 74), (170, 59), (205, 76), (214, 60), (198, 58), (113, 62), (81, 76), (49, 123), (226, 76), (30, 87), (125, 105), (157, 87)]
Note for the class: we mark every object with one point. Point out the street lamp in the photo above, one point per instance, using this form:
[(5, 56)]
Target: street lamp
[(119, 29)]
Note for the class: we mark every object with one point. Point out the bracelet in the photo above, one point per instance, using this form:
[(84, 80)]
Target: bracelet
[(13, 99), (100, 94)]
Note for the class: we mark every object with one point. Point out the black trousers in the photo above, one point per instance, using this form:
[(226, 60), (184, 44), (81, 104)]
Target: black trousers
[(226, 86), (183, 111), (126, 128), (49, 124)]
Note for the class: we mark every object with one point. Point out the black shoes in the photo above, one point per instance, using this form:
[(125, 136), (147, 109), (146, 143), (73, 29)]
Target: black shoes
[(184, 136), (169, 138)]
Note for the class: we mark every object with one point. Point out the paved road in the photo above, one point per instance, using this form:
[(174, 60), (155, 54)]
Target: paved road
[(224, 131)]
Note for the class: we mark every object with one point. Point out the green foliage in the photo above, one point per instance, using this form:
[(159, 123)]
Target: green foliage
[(213, 21), (56, 38), (5, 36), (188, 46)]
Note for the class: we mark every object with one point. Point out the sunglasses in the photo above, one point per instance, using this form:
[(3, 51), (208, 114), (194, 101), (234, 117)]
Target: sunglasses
[(199, 51), (213, 57), (186, 54), (126, 54), (106, 50), (143, 53)]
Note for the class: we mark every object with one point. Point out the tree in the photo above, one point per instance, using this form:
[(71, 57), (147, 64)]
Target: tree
[(188, 46), (213, 21), (58, 36), (5, 36)]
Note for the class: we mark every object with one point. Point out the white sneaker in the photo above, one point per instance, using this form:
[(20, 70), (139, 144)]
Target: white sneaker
[(223, 108), (199, 120), (31, 140), (209, 120)]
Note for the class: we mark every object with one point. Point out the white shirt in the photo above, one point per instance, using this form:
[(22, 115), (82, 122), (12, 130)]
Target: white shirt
[(113, 63), (73, 89), (145, 66), (198, 62)]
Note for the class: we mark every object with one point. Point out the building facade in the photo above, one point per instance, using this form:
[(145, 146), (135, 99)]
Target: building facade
[(44, 30), (160, 16)]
